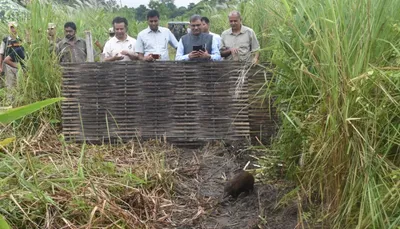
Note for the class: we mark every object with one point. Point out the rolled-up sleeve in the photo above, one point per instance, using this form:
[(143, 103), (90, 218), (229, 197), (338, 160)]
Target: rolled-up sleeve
[(172, 40), (215, 54), (179, 52)]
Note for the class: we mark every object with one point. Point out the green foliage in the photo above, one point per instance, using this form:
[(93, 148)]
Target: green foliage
[(141, 13), (19, 112), (166, 8), (338, 94), (10, 10), (3, 223), (42, 78)]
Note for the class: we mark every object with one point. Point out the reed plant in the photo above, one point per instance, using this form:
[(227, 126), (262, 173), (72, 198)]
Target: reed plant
[(338, 94)]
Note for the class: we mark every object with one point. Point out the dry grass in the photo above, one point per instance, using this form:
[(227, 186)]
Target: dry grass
[(46, 183)]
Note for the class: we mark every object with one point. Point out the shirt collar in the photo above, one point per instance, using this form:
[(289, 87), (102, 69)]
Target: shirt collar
[(148, 30), (242, 29), (65, 40), (128, 38)]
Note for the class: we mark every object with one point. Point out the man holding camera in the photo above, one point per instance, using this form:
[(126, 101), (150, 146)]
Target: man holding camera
[(152, 43), (197, 45)]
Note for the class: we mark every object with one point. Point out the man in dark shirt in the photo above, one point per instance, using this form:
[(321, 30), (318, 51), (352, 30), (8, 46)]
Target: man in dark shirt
[(8, 44), (15, 57), (71, 49), (11, 69)]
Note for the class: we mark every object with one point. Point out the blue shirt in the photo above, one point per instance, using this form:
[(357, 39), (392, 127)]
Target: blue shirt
[(155, 42), (215, 54)]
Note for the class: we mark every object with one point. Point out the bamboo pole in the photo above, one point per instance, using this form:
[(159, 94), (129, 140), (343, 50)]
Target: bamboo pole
[(89, 46)]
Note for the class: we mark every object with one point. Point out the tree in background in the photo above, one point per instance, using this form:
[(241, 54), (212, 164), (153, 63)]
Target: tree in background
[(179, 12), (166, 8), (170, 4), (141, 12), (191, 6)]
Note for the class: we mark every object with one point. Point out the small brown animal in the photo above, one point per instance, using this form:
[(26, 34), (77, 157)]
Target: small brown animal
[(242, 182)]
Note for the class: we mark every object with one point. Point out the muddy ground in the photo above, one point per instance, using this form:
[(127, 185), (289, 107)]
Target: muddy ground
[(199, 175), (202, 174)]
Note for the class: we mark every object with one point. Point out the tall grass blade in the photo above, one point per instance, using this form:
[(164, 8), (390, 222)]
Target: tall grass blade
[(19, 112)]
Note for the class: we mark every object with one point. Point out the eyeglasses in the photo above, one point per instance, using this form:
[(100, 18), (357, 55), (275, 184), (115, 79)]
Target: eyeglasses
[(195, 25)]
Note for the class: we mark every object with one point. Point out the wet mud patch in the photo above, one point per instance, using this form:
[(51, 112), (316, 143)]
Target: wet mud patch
[(201, 175)]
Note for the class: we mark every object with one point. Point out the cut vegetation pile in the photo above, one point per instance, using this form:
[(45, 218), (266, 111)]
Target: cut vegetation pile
[(46, 183)]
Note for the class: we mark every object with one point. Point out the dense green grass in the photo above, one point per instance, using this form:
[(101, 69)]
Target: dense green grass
[(339, 93)]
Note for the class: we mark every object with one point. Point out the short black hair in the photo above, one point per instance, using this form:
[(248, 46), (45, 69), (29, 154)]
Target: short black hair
[(71, 25), (195, 18), (206, 20), (120, 20), (153, 13)]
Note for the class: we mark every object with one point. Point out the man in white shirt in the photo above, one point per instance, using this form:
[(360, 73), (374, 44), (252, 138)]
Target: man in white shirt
[(152, 43), (205, 28), (121, 47)]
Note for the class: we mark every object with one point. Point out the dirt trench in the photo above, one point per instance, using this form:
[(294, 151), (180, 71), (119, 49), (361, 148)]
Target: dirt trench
[(201, 175)]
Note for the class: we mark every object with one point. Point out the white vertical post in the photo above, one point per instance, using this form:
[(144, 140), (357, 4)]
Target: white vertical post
[(89, 46)]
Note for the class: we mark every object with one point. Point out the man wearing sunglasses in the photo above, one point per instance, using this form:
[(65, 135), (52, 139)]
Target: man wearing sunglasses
[(197, 45)]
